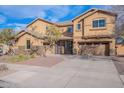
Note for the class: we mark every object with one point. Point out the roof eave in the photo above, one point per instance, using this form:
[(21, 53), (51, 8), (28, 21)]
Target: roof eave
[(114, 14)]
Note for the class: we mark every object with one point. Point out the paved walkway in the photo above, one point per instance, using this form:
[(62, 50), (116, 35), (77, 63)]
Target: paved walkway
[(74, 71)]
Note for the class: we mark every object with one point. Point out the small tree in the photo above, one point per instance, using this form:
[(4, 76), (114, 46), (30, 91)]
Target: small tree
[(6, 38), (51, 37), (53, 34), (119, 28), (6, 35)]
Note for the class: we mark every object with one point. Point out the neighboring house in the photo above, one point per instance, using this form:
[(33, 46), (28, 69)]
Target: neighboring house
[(94, 27)]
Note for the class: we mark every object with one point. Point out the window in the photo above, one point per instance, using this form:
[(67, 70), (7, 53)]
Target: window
[(34, 28), (95, 23), (28, 44), (70, 29), (78, 26), (102, 23), (46, 27), (99, 23)]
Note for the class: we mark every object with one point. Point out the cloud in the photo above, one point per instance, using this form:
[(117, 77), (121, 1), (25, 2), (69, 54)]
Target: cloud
[(105, 7), (59, 11), (16, 16), (2, 19), (42, 14), (16, 26), (32, 11), (44, 11), (54, 20), (20, 11)]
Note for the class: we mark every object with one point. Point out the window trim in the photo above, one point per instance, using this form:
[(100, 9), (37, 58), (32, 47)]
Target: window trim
[(98, 19)]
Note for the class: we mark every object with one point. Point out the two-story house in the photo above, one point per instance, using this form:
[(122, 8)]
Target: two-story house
[(92, 28)]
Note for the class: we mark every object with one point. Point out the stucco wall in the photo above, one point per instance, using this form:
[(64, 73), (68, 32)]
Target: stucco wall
[(38, 26), (86, 30), (63, 30), (34, 41), (89, 30), (120, 50), (108, 29)]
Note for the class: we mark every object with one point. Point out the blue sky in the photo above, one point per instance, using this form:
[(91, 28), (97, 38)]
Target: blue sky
[(19, 16)]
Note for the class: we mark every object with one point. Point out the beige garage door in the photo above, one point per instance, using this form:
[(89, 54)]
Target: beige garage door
[(95, 48)]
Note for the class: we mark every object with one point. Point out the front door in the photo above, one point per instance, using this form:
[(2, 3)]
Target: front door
[(68, 47), (107, 49), (64, 47)]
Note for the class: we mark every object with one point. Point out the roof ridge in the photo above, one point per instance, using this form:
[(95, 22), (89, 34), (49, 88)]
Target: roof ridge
[(60, 23)]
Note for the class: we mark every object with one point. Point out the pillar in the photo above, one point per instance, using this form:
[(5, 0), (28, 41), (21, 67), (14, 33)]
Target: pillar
[(112, 48), (75, 48)]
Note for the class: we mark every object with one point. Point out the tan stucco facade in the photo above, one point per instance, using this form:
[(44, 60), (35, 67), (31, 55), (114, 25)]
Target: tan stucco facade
[(34, 41), (86, 33), (120, 50)]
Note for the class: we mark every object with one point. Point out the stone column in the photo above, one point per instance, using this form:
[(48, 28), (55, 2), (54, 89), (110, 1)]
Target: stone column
[(112, 48), (75, 48), (62, 49)]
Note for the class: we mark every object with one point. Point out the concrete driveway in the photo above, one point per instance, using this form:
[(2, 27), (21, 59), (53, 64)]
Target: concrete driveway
[(73, 72)]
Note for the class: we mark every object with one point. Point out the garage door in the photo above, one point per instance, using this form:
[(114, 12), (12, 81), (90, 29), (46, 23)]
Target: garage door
[(94, 48)]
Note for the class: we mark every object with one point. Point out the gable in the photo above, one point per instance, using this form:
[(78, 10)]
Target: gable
[(99, 15), (39, 26), (37, 23), (91, 12), (28, 34), (21, 40), (39, 19)]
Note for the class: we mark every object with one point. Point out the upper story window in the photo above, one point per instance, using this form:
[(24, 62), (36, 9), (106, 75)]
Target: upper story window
[(46, 27), (70, 29), (99, 23), (33, 28), (78, 26)]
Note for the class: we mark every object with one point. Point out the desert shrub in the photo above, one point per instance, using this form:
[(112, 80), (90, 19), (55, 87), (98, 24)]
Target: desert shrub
[(20, 50), (33, 55), (3, 67), (41, 51), (33, 50)]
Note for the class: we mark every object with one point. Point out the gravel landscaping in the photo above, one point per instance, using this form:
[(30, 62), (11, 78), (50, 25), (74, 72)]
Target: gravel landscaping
[(48, 61)]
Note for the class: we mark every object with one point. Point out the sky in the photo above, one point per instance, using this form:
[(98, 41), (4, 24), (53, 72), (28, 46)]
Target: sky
[(18, 16)]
